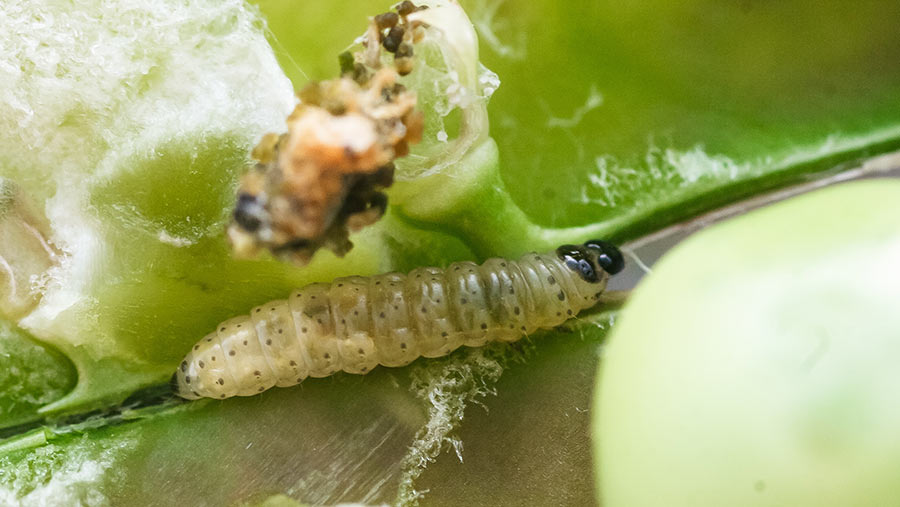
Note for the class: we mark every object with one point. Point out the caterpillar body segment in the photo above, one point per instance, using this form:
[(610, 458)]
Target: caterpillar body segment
[(357, 323)]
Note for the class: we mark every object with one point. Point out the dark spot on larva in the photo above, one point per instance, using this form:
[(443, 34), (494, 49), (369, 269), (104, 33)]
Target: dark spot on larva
[(378, 283), (444, 334), (418, 275), (245, 343), (551, 280), (187, 379), (456, 268), (471, 271), (437, 300), (524, 328), (312, 297), (184, 366), (327, 355), (340, 285), (511, 326), (280, 331), (222, 396), (231, 353), (463, 301), (272, 309), (195, 393), (403, 345), (363, 369), (222, 329), (238, 325), (258, 310), (201, 364), (269, 341), (261, 389), (483, 325), (512, 291), (196, 347), (597, 295), (559, 314), (424, 310), (537, 258), (297, 295), (319, 321), (343, 321), (568, 312), (503, 264), (213, 358), (361, 351), (293, 363), (303, 329), (561, 295), (299, 379), (355, 289), (257, 373), (396, 307), (381, 315), (221, 381), (517, 310), (355, 312)]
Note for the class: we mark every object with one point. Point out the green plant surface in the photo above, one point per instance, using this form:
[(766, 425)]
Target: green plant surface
[(768, 371), (129, 125)]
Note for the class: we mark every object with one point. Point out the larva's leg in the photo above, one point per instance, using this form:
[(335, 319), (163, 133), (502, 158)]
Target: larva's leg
[(312, 315), (394, 343), (429, 306), (349, 299), (508, 314), (466, 290)]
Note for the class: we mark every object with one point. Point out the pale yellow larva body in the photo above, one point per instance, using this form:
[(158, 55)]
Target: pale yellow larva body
[(356, 323)]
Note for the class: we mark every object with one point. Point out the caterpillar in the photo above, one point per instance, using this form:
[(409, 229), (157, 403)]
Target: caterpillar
[(356, 323)]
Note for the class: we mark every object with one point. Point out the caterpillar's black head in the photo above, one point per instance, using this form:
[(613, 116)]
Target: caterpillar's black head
[(608, 255), (592, 259)]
